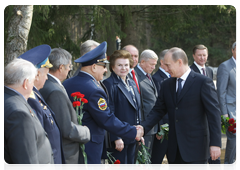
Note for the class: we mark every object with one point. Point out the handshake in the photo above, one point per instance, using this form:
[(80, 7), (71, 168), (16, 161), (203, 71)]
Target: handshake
[(140, 132)]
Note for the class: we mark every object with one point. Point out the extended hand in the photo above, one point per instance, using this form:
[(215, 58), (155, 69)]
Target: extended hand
[(119, 145), (159, 137), (140, 132), (215, 152)]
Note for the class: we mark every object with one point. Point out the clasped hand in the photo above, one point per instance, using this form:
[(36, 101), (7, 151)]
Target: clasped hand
[(140, 132)]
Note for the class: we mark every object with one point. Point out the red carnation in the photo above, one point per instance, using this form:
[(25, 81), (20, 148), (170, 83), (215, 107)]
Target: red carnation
[(234, 131), (117, 162), (73, 94), (80, 95), (76, 103), (231, 121), (234, 125), (84, 100), (230, 128)]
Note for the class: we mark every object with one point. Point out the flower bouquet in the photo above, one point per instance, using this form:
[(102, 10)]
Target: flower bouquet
[(164, 131), (78, 103), (228, 124), (111, 159), (143, 156)]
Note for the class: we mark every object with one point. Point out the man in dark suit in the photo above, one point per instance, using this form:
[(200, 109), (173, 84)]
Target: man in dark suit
[(38, 56), (97, 115), (200, 56), (56, 97), (25, 141), (148, 60), (160, 148), (190, 99)]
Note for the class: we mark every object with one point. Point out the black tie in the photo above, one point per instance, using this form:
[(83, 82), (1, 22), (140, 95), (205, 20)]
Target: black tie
[(179, 87)]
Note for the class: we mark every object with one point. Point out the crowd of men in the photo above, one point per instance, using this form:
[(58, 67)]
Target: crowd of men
[(40, 122)]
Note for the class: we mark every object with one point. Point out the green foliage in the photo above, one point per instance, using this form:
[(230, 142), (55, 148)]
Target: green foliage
[(143, 156)]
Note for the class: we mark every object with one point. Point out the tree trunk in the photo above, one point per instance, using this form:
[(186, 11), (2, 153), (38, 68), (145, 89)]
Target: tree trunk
[(18, 30)]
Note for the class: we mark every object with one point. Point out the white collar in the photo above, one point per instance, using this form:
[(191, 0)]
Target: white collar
[(55, 78), (185, 75), (198, 66), (141, 69), (167, 74)]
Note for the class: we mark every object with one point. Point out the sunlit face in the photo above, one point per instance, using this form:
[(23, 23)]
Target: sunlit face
[(234, 52), (134, 52), (41, 78), (121, 67), (101, 68), (200, 57), (171, 67), (149, 65)]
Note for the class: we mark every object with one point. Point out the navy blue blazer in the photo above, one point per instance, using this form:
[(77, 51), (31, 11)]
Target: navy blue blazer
[(158, 78), (209, 71), (189, 117), (47, 118), (97, 116), (121, 102)]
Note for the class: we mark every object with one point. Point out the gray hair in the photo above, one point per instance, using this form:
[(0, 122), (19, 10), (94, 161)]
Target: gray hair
[(88, 46), (162, 54), (59, 57), (148, 54), (234, 45), (17, 71)]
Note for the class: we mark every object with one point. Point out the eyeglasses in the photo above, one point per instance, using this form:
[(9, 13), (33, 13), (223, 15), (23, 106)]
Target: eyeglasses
[(104, 65)]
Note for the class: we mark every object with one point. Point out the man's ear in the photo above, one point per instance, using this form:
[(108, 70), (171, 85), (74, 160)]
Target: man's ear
[(25, 82), (61, 68), (94, 68)]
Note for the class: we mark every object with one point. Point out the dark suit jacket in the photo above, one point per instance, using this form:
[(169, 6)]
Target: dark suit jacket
[(158, 78), (209, 71), (149, 96), (25, 141), (47, 118), (72, 133), (189, 117), (121, 103), (97, 115)]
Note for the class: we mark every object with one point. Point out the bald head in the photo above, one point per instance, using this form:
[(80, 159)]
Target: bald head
[(134, 52)]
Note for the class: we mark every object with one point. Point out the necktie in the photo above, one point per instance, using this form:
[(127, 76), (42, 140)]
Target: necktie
[(135, 80), (203, 70), (179, 87), (148, 77)]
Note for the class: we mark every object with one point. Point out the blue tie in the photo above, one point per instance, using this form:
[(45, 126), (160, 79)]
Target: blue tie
[(179, 87)]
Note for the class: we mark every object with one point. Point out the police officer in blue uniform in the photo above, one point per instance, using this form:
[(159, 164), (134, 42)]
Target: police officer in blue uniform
[(97, 115), (39, 57)]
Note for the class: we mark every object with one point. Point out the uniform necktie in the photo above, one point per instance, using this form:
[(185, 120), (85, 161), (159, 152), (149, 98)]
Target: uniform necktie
[(135, 80), (179, 87), (203, 70)]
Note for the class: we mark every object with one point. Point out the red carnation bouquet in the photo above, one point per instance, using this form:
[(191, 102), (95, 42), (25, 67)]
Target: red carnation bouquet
[(143, 159), (228, 124), (115, 164), (78, 103)]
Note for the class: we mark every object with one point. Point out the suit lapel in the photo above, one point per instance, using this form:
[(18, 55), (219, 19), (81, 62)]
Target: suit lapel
[(187, 85), (123, 89), (233, 64)]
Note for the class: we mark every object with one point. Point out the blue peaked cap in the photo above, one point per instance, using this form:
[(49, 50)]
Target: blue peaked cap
[(96, 55), (38, 56)]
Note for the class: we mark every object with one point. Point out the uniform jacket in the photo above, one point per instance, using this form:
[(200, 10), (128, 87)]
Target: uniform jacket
[(97, 116), (72, 133), (25, 141), (189, 117), (226, 87), (149, 95), (209, 72), (47, 118), (121, 103)]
